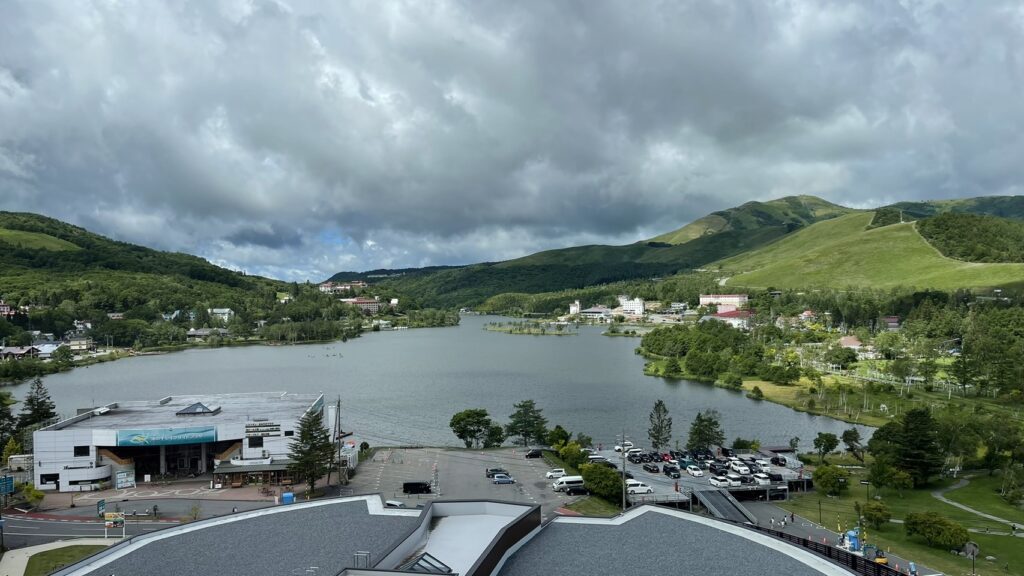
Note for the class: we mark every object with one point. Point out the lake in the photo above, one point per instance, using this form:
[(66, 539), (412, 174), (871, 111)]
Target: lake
[(402, 387)]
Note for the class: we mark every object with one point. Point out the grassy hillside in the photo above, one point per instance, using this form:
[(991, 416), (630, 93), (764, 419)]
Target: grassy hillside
[(844, 252), (791, 212), (1002, 206), (34, 240)]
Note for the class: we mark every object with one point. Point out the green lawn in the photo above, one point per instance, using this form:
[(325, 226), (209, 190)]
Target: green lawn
[(45, 562), (839, 512), (843, 252), (983, 494), (35, 240), (594, 506)]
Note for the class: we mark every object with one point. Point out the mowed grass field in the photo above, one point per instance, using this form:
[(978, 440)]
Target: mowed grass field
[(992, 537), (35, 240), (843, 252)]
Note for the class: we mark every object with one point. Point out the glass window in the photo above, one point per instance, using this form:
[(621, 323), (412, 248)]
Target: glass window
[(81, 450), (256, 442)]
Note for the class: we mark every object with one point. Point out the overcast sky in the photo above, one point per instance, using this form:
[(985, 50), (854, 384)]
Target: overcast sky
[(295, 139)]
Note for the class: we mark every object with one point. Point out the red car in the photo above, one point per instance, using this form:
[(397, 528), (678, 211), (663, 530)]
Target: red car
[(666, 457)]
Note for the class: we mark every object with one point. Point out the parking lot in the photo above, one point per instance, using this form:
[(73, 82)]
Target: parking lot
[(458, 474)]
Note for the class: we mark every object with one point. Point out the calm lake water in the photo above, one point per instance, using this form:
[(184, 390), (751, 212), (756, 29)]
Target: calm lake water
[(403, 387)]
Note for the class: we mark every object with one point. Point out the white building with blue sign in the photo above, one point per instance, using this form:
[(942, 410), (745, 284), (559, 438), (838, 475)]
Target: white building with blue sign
[(232, 438)]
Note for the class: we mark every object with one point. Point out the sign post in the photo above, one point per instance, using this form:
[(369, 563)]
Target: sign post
[(113, 520), (101, 507)]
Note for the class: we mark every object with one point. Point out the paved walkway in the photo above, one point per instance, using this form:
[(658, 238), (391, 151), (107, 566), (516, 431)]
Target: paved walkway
[(940, 495), (15, 562)]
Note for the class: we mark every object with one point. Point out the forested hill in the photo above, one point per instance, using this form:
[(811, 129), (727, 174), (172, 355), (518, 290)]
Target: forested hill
[(34, 241), (46, 261)]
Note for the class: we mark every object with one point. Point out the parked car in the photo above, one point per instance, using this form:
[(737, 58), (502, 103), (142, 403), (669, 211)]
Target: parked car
[(734, 479), (655, 457), (608, 464), (624, 446), (633, 459), (588, 450), (775, 477), (634, 452), (665, 457), (728, 452), (651, 467), (645, 458), (746, 479), (636, 487), (534, 453), (555, 473), (579, 490), (670, 471), (694, 471), (762, 479), (739, 468), (490, 472), (565, 482), (718, 469), (719, 481), (504, 479)]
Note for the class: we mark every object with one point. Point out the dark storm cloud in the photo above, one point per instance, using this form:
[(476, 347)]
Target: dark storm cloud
[(297, 138)]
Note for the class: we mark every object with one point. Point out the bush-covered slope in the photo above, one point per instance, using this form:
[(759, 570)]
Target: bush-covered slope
[(975, 238), (845, 252)]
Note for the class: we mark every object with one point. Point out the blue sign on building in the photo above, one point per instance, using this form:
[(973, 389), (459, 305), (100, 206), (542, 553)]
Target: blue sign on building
[(7, 485), (166, 436)]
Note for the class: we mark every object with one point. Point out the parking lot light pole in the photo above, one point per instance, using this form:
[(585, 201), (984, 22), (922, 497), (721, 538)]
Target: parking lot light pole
[(622, 445)]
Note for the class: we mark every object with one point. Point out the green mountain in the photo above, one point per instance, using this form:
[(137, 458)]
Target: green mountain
[(722, 234), (790, 213), (43, 260), (847, 251)]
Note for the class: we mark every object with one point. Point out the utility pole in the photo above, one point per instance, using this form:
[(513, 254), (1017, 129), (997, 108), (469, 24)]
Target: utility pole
[(622, 444)]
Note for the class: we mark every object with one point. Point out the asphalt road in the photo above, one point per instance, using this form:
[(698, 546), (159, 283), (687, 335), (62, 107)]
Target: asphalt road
[(21, 532)]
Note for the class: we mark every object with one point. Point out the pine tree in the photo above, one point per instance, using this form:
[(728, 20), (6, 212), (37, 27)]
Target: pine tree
[(8, 423), (312, 451), (660, 432), (38, 406), (527, 422)]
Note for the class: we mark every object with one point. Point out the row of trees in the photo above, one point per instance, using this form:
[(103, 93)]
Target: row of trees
[(527, 426)]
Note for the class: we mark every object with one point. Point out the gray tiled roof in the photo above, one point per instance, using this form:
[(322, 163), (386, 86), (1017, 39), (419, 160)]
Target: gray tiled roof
[(651, 544), (275, 544)]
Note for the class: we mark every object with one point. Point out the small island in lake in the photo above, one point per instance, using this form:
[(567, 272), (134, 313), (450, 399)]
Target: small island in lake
[(533, 328)]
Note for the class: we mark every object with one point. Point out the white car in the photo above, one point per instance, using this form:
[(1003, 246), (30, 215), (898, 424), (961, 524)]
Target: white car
[(635, 487), (719, 481), (632, 451), (694, 471), (739, 468), (555, 473), (762, 479), (733, 479), (624, 446)]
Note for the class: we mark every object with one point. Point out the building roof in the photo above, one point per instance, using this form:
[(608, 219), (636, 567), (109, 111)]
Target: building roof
[(656, 541), (164, 413), (283, 540), (733, 314)]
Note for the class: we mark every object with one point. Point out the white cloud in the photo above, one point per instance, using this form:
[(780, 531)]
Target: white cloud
[(298, 138)]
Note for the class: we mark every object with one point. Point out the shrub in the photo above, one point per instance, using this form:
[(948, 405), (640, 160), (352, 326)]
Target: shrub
[(756, 394), (876, 514), (936, 529)]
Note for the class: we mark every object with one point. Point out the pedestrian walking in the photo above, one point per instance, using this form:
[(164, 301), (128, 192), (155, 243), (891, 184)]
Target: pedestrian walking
[(783, 522), (773, 522), (792, 517)]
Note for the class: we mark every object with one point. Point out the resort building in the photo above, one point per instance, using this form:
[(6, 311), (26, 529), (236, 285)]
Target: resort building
[(238, 438), (737, 300)]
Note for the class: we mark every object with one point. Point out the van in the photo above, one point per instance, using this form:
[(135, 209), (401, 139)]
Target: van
[(596, 458), (734, 479), (416, 488), (564, 482)]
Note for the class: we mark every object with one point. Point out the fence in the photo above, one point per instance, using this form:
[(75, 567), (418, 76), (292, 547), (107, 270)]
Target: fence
[(854, 562)]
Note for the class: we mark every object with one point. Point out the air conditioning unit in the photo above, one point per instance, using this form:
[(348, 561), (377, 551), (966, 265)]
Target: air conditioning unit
[(266, 454)]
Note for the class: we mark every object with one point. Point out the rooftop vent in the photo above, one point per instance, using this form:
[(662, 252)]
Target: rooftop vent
[(199, 409)]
